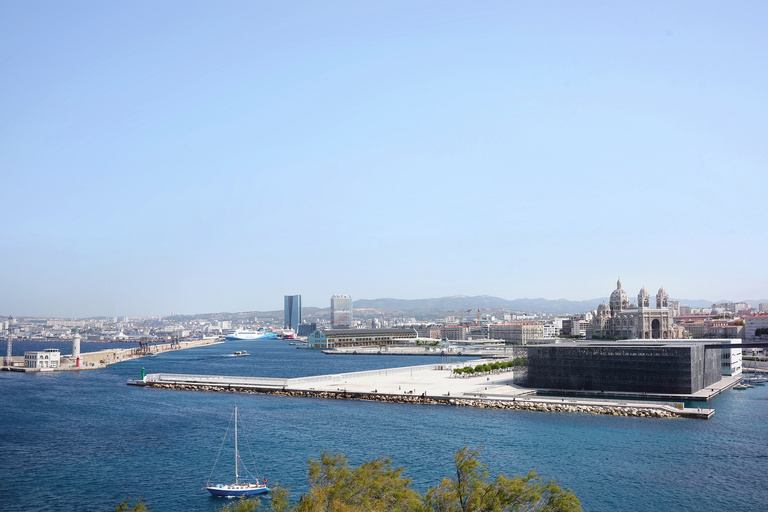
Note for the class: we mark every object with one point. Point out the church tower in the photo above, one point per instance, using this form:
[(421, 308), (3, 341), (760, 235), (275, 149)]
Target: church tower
[(643, 298), (662, 299)]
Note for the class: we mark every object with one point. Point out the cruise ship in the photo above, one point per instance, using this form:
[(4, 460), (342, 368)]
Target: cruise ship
[(251, 335)]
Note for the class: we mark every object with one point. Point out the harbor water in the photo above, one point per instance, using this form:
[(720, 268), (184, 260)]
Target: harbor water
[(86, 441)]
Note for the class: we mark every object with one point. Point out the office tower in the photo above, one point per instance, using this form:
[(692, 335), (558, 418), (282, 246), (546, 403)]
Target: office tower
[(341, 311), (292, 312)]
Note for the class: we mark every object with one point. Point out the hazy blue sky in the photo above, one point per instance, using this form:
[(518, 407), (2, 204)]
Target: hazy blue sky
[(179, 157)]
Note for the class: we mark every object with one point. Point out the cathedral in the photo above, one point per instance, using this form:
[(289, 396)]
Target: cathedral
[(632, 321)]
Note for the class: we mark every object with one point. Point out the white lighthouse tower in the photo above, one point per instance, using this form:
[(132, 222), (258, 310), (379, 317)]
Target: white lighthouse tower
[(76, 348), (9, 354)]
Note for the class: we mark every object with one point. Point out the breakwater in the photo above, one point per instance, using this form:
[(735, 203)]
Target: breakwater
[(518, 404)]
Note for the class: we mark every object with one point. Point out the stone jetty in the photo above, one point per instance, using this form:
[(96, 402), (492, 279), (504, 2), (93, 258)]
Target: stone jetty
[(427, 384)]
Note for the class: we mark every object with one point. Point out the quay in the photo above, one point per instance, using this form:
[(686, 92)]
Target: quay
[(436, 384), (103, 358), (493, 351)]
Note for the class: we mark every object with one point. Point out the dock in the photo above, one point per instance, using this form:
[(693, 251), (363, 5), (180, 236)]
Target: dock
[(103, 358), (436, 384)]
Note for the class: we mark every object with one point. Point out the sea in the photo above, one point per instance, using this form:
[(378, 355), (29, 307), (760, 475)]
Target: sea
[(85, 440)]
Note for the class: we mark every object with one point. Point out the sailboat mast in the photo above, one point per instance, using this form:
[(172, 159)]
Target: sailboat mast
[(236, 468)]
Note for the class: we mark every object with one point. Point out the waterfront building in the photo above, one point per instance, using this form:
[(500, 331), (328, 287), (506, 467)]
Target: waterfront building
[(763, 308), (517, 333), (453, 332), (731, 357), (292, 312), (338, 338), (619, 318), (428, 330), (48, 358), (752, 324), (633, 366), (341, 311), (306, 329)]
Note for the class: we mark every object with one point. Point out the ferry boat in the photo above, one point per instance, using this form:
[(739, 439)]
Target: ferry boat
[(261, 334)]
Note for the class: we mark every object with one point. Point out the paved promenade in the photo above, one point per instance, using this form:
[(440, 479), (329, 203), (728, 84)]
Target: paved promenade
[(436, 384)]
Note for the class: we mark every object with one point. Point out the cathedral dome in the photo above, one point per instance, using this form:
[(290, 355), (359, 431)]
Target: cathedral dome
[(619, 300), (619, 295), (603, 307)]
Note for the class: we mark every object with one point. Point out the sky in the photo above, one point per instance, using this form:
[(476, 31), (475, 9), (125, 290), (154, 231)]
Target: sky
[(191, 157)]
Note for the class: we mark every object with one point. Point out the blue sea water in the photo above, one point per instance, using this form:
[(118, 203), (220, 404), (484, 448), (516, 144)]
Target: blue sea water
[(85, 440)]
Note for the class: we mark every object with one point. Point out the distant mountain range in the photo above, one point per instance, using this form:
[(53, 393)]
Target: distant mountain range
[(449, 306), (461, 302)]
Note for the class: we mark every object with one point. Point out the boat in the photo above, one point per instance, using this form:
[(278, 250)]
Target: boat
[(249, 487), (740, 386), (241, 353), (261, 334)]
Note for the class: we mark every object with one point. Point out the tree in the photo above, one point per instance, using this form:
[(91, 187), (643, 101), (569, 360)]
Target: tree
[(139, 506), (472, 490), (374, 486), (279, 502)]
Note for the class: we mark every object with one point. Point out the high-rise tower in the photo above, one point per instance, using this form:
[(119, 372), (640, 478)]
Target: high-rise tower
[(292, 312), (341, 311)]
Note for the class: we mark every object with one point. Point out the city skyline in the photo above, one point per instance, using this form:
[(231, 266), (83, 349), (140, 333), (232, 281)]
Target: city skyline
[(185, 159)]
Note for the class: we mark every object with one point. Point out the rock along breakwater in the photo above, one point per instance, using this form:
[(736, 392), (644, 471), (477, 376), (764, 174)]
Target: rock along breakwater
[(515, 403)]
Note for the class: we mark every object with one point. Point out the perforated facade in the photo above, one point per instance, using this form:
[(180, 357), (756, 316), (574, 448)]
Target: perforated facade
[(674, 368)]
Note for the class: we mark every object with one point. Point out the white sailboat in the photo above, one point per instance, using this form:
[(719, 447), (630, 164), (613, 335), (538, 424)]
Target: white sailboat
[(251, 484)]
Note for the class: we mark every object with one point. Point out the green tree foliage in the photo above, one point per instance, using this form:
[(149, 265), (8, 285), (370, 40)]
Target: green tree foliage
[(376, 486), (138, 506), (472, 490), (278, 502)]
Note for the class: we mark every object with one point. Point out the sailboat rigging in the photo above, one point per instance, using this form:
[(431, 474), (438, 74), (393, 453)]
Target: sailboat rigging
[(237, 488)]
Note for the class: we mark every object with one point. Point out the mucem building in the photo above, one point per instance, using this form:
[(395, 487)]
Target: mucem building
[(635, 366)]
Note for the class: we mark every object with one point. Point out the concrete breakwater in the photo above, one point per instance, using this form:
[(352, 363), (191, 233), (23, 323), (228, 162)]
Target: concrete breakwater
[(520, 404)]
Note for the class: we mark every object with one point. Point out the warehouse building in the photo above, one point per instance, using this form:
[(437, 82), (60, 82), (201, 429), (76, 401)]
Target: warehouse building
[(338, 338)]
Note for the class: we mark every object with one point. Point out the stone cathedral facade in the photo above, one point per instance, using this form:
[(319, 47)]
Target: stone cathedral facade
[(632, 320)]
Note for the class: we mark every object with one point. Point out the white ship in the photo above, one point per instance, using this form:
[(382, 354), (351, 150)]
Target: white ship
[(251, 335)]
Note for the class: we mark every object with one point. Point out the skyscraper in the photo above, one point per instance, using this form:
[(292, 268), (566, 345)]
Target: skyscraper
[(292, 312), (341, 311)]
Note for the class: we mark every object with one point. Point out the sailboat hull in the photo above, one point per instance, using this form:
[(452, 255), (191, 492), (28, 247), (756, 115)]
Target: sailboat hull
[(231, 490)]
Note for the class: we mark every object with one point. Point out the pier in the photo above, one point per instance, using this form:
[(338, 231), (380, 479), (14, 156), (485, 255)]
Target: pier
[(103, 358), (436, 384)]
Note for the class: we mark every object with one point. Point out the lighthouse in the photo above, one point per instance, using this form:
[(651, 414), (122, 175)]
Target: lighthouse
[(76, 348)]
